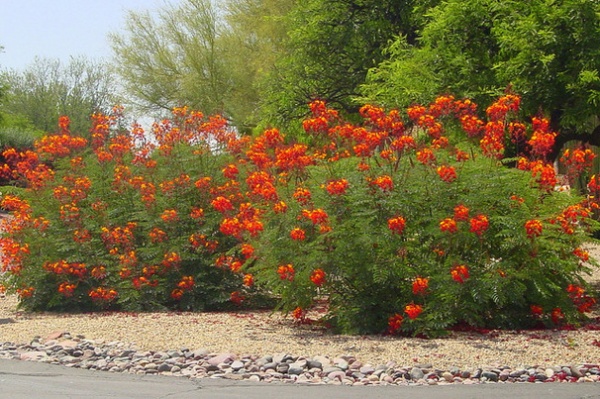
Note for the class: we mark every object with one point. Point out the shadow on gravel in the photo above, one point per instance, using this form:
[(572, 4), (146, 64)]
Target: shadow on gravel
[(6, 321)]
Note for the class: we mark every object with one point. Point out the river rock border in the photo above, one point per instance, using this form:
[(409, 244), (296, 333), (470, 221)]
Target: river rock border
[(75, 351)]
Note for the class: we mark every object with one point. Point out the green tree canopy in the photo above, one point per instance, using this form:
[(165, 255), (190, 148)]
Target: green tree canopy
[(548, 51), (202, 54), (37, 96), (332, 44)]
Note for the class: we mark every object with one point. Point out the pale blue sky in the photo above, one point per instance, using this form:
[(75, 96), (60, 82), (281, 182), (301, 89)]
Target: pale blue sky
[(62, 28)]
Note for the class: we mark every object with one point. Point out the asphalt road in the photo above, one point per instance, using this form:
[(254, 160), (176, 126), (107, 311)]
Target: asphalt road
[(26, 380)]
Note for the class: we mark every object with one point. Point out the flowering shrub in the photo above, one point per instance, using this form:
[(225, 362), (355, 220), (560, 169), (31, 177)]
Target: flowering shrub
[(130, 220), (428, 228), (400, 226)]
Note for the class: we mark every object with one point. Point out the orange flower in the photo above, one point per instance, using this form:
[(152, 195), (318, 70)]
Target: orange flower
[(472, 125), (176, 294), (447, 173), (235, 266), (248, 280), (230, 171), (231, 226), (459, 273), (222, 204), (66, 289), (171, 259), (397, 224), (384, 182), (394, 323), (413, 311), (197, 213), (186, 283), (420, 285), (157, 235), (236, 298), (461, 156), (533, 228), (403, 142), (337, 187), (302, 195), (449, 225), (542, 140), (536, 310), (557, 315), (25, 292), (581, 254), (317, 277), (316, 216), (517, 199), (286, 272), (98, 272), (299, 314), (169, 215), (247, 250), (479, 224), (461, 212), (297, 234), (426, 156), (363, 167), (103, 294), (280, 207), (324, 228), (82, 235)]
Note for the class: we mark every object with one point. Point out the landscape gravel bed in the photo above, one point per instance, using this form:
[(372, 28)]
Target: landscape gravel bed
[(260, 346)]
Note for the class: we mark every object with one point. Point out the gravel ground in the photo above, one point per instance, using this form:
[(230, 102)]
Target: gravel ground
[(263, 333)]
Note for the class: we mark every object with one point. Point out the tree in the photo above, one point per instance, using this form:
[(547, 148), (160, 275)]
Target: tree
[(2, 91), (174, 59), (252, 44), (332, 44), (548, 51), (47, 89), (201, 55)]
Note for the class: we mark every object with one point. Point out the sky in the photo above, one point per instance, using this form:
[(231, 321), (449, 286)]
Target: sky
[(62, 28)]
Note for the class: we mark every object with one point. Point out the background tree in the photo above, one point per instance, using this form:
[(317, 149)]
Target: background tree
[(547, 51), (37, 96), (332, 44), (173, 58), (200, 54), (252, 44)]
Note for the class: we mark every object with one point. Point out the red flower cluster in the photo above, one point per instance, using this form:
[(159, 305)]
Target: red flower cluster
[(536, 310), (317, 277), (286, 272), (420, 285), (413, 311), (449, 225), (542, 140), (248, 280), (479, 224), (459, 273), (397, 224), (447, 173), (302, 195), (316, 216), (384, 182), (461, 213), (394, 323), (297, 234), (337, 187), (103, 294), (533, 228), (577, 161), (66, 288), (580, 299)]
